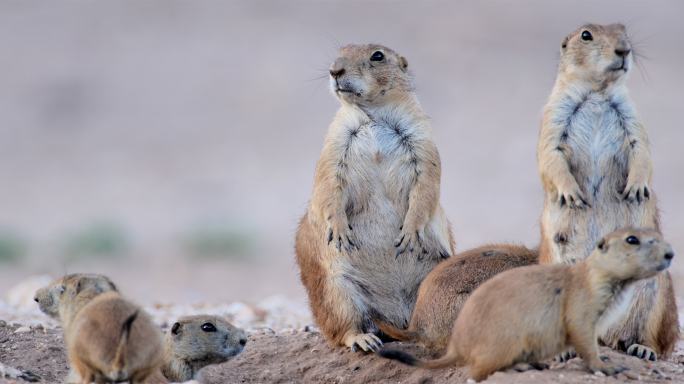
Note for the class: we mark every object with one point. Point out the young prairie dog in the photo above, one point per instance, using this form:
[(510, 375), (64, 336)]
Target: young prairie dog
[(444, 291), (529, 314), (194, 342), (595, 166), (48, 296), (374, 227), (108, 339)]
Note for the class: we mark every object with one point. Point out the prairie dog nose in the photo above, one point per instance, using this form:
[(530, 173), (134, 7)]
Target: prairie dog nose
[(337, 68), (336, 72), (622, 52), (669, 255)]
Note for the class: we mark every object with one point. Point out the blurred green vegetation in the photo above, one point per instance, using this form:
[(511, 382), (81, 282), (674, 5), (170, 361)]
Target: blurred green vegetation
[(100, 240), (219, 241), (13, 247)]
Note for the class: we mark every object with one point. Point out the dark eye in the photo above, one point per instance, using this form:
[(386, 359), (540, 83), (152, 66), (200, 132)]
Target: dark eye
[(586, 36), (632, 240), (208, 327), (377, 56)]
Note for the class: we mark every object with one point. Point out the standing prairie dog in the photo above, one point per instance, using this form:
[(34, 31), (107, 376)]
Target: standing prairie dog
[(445, 290), (595, 166), (374, 227), (528, 314), (108, 338), (194, 342)]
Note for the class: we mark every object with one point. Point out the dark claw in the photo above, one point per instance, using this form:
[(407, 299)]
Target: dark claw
[(444, 254), (638, 196), (398, 243), (330, 235), (647, 193), (562, 201), (539, 366), (350, 228), (652, 356)]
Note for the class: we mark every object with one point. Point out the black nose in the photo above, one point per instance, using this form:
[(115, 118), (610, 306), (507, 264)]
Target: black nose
[(336, 72), (35, 299), (243, 342), (669, 255), (622, 52)]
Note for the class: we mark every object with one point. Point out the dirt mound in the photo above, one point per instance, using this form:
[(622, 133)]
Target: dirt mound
[(304, 357)]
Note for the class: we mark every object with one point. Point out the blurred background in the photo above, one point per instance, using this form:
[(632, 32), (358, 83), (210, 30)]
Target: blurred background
[(172, 144)]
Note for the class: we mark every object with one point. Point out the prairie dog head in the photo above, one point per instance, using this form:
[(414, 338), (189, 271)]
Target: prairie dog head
[(76, 291), (600, 54), (369, 75), (632, 254), (205, 338), (48, 297)]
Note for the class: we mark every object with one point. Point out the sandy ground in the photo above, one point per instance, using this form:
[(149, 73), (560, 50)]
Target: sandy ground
[(302, 356)]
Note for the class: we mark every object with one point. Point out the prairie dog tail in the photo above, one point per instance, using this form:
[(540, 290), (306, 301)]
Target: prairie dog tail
[(118, 372), (396, 333), (450, 359)]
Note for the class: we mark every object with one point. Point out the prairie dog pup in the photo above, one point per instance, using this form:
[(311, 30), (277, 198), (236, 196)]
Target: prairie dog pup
[(194, 342), (374, 227), (108, 338), (528, 314), (48, 297), (444, 291), (595, 166)]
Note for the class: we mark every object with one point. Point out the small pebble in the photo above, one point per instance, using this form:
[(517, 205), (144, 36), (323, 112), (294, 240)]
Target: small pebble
[(23, 329), (599, 374)]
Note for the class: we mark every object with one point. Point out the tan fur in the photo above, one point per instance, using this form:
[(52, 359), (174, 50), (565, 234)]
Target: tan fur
[(595, 166), (445, 290), (528, 314), (48, 296), (99, 347), (188, 347), (374, 227)]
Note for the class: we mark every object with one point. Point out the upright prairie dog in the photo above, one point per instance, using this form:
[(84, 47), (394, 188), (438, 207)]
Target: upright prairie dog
[(445, 290), (108, 338), (595, 166), (374, 227), (528, 314), (194, 342), (48, 296)]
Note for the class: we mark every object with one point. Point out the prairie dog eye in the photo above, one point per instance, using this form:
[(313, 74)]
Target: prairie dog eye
[(377, 56), (208, 327), (586, 36), (632, 240)]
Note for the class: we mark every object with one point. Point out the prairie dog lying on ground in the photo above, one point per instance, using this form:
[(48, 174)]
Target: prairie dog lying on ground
[(194, 342), (444, 291), (374, 227), (529, 314), (595, 166)]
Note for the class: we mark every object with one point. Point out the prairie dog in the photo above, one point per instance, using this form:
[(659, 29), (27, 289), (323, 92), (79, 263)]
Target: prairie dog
[(108, 338), (444, 291), (374, 227), (528, 314), (48, 296), (595, 166), (194, 342)]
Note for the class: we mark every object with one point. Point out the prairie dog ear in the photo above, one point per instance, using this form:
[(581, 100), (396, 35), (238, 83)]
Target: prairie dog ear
[(403, 63), (602, 245)]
